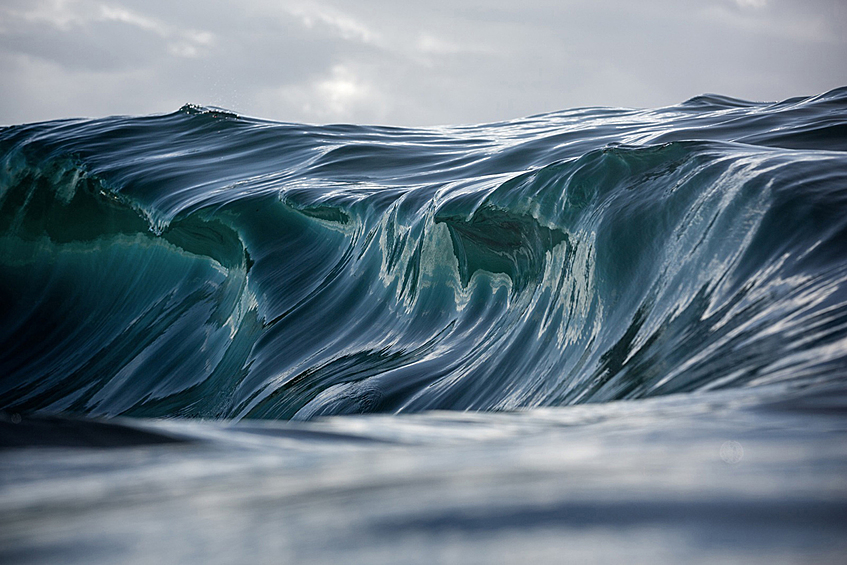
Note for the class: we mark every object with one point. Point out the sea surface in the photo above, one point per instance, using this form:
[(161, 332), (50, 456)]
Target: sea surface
[(600, 335)]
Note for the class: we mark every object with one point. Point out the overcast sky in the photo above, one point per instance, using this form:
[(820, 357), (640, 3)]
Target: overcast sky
[(408, 63)]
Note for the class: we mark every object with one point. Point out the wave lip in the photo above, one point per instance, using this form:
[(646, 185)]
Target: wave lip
[(205, 264)]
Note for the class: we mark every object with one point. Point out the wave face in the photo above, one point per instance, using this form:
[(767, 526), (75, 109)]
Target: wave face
[(204, 264)]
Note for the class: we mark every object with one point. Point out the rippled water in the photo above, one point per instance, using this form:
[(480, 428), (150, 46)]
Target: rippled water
[(206, 265)]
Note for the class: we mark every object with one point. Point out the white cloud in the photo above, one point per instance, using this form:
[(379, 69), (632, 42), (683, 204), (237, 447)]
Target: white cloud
[(433, 44), (755, 4), (117, 14), (345, 26), (75, 15), (803, 26), (60, 14)]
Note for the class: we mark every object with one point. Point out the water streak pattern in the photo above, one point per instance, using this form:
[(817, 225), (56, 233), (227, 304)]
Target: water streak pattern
[(203, 264)]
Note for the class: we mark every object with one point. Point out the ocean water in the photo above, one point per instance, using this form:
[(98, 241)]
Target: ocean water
[(594, 335)]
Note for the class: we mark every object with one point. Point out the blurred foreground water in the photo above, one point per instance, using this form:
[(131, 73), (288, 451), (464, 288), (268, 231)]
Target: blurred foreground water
[(720, 477)]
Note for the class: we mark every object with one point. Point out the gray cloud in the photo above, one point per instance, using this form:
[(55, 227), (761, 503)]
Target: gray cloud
[(408, 63)]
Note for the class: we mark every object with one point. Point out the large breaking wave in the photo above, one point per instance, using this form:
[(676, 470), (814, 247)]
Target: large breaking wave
[(205, 264)]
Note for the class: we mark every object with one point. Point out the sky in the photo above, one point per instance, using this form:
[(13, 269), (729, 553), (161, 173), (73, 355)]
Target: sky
[(395, 62)]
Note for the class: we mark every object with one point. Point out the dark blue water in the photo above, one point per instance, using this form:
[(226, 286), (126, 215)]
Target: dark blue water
[(206, 265)]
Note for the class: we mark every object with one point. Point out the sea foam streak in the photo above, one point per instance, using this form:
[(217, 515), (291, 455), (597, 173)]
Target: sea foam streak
[(204, 264)]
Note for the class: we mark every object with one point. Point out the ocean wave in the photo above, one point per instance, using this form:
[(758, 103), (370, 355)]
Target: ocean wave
[(205, 264)]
